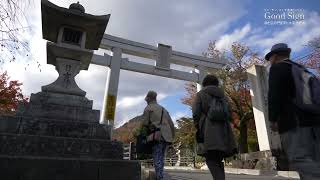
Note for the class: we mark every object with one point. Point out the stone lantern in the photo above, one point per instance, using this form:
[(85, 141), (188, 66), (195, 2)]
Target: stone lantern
[(57, 134), (72, 37)]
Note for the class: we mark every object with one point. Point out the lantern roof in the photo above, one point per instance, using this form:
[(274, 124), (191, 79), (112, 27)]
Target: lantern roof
[(55, 17)]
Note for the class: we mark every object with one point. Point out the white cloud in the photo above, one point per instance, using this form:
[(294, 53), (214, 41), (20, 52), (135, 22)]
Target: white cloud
[(187, 25), (130, 101), (127, 102), (178, 115), (296, 36), (225, 42)]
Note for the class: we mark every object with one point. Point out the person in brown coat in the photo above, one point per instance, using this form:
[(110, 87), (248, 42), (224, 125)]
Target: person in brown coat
[(217, 137)]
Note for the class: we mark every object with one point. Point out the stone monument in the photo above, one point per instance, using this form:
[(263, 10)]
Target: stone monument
[(57, 134)]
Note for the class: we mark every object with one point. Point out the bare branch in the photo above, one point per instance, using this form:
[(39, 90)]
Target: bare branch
[(13, 26)]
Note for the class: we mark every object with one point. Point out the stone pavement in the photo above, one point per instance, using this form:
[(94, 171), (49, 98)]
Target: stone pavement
[(172, 173), (207, 176)]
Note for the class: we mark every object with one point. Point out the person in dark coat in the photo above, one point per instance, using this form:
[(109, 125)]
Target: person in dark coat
[(299, 130), (217, 143)]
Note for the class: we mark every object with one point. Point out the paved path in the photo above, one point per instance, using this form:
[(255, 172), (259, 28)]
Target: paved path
[(176, 175)]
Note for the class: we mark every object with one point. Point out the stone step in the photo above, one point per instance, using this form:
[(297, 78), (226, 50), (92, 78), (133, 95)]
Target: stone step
[(54, 127), (50, 146), (45, 168)]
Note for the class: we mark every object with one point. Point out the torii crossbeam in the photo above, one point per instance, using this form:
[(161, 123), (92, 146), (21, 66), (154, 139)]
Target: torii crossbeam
[(162, 54)]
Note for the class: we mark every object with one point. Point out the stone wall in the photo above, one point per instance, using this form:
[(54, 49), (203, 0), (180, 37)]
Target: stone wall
[(54, 127), (24, 168), (22, 136)]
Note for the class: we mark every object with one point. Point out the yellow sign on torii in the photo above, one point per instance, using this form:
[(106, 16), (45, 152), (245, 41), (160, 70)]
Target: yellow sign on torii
[(111, 107)]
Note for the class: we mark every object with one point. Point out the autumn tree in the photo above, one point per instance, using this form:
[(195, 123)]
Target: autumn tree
[(10, 95), (191, 87), (237, 88), (312, 60)]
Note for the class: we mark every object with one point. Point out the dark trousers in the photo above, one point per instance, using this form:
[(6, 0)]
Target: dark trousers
[(158, 153), (302, 147), (215, 164)]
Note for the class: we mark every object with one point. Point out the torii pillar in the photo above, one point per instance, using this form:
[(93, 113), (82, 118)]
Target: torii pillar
[(269, 141)]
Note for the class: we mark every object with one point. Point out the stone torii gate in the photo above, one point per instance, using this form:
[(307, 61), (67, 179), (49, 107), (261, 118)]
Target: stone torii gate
[(162, 54), (72, 36)]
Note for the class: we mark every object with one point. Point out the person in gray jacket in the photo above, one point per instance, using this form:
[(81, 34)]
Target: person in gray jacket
[(216, 137), (157, 118)]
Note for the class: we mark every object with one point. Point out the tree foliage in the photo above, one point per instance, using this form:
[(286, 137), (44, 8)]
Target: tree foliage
[(191, 89), (185, 133), (237, 88), (10, 95), (313, 60), (126, 133)]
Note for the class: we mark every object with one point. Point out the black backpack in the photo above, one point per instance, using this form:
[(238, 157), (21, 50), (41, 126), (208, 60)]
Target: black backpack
[(218, 110), (307, 87)]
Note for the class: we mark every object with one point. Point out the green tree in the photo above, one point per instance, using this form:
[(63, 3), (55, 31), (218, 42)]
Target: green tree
[(185, 133)]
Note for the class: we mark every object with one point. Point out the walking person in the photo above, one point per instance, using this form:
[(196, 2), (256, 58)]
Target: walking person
[(211, 117), (293, 103), (161, 131)]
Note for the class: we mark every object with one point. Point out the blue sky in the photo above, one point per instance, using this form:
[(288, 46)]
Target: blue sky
[(256, 10), (186, 25), (254, 16)]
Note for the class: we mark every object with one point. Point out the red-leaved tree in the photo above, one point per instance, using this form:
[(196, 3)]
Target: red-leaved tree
[(313, 60), (237, 88), (10, 95)]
